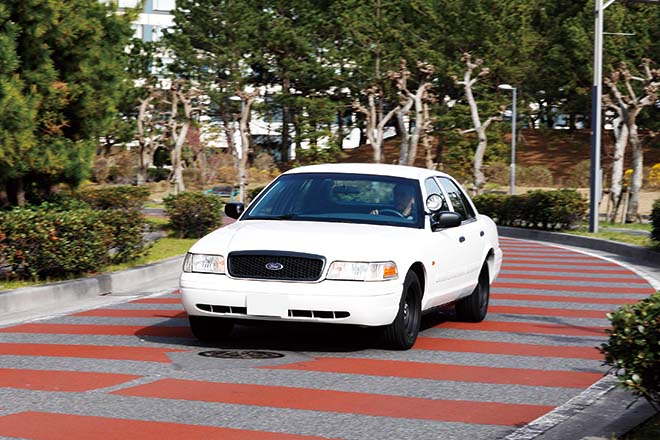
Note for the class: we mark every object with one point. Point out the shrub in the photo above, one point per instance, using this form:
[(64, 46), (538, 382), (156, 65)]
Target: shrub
[(193, 214), (122, 233), (41, 243), (654, 176), (633, 348), (115, 197), (538, 209), (655, 221)]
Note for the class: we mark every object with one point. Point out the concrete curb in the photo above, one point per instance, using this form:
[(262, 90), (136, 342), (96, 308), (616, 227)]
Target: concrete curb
[(28, 298)]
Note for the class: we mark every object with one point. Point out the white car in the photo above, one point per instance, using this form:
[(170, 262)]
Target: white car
[(363, 244)]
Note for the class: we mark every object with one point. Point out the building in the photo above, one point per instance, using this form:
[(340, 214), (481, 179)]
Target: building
[(157, 16)]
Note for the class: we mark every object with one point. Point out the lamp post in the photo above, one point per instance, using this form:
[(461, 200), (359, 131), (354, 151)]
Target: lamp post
[(514, 123), (596, 180)]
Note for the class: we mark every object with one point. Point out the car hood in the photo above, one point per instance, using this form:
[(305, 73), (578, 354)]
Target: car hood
[(356, 242)]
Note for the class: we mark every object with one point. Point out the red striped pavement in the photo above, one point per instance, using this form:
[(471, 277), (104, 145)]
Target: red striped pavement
[(123, 353), (133, 313), (573, 288), (560, 299), (50, 426), (545, 311), (468, 382), (617, 280), (506, 348), (457, 373), (48, 380), (560, 262), (340, 401), (93, 329), (568, 269), (157, 301), (524, 327)]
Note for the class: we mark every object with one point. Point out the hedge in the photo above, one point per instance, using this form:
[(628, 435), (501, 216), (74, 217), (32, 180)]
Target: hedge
[(538, 209), (41, 243), (655, 221), (193, 214), (52, 240), (633, 348), (115, 197)]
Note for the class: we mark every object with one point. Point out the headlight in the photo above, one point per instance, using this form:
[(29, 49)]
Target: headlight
[(204, 263), (357, 271)]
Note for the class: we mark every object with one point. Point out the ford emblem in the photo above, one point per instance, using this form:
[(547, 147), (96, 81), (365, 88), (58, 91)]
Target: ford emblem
[(274, 266)]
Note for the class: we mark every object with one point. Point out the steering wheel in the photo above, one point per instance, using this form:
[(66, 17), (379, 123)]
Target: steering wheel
[(391, 212)]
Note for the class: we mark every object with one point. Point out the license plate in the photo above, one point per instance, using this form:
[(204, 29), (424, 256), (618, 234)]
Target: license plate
[(267, 305)]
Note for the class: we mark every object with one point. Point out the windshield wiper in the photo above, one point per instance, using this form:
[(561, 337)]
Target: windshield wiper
[(282, 216)]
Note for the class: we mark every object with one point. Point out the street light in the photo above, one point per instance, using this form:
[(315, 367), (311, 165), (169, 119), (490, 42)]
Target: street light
[(514, 123), (596, 180)]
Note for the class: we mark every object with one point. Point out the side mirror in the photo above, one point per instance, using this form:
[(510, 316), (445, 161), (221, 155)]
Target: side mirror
[(446, 219), (434, 202), (234, 210)]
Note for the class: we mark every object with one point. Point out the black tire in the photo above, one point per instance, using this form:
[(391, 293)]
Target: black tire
[(474, 308), (208, 328), (402, 333)]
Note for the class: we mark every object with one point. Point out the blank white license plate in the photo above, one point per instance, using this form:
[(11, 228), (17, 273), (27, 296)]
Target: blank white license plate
[(267, 305)]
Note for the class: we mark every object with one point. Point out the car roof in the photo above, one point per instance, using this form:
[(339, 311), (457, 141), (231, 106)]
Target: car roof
[(369, 168)]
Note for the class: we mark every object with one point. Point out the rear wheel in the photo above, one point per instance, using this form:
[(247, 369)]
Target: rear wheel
[(208, 328), (473, 308), (402, 333)]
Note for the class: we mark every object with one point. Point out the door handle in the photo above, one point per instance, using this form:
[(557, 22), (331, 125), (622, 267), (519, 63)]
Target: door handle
[(461, 239), (481, 233)]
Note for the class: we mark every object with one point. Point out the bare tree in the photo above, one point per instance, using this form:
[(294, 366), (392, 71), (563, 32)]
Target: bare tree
[(376, 119), (149, 133), (180, 117), (247, 98), (420, 98), (469, 80), (628, 103)]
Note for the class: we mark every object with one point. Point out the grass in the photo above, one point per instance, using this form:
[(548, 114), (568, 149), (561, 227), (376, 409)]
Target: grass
[(631, 226), (638, 240), (649, 430), (160, 250)]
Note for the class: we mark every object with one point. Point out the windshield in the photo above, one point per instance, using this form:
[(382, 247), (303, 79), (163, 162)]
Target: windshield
[(347, 198)]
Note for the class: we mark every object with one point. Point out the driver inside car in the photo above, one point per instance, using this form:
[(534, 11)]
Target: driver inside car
[(404, 198)]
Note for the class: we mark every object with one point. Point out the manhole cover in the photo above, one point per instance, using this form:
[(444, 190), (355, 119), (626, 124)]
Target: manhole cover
[(228, 354)]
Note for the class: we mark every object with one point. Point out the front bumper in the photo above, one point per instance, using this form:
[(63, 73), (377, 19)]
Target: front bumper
[(330, 301)]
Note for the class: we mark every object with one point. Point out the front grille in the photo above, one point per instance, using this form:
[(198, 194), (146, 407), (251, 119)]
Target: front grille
[(275, 266)]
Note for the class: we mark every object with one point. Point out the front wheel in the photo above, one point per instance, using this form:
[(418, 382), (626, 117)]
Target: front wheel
[(208, 328), (473, 308), (402, 333)]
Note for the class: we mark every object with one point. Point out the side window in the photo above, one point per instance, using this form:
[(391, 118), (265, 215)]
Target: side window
[(432, 187), (458, 199)]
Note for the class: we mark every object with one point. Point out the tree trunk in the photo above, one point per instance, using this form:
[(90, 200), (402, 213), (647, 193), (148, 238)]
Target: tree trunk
[(419, 123), (244, 130), (4, 197), (20, 191), (403, 129), (426, 138), (621, 139), (638, 163), (284, 149)]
